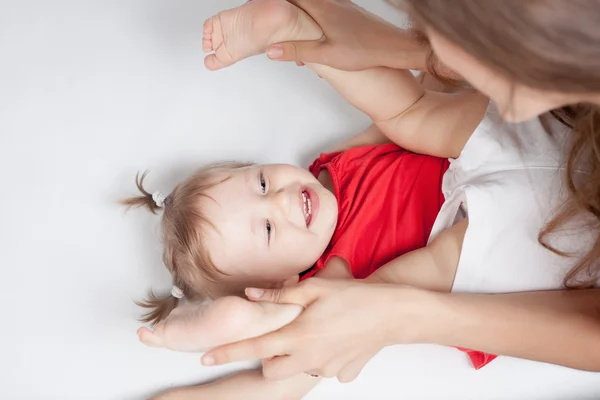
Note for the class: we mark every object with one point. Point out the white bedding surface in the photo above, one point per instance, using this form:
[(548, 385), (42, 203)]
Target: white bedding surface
[(93, 91)]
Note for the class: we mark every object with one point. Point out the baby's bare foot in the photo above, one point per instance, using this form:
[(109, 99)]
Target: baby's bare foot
[(201, 327), (249, 29)]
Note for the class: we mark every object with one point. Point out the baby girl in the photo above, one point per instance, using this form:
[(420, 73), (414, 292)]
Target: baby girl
[(364, 211)]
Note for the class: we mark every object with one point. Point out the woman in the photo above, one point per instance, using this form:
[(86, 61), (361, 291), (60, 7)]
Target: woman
[(530, 57)]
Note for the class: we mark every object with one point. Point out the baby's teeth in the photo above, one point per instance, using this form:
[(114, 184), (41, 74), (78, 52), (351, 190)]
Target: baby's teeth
[(305, 200), (307, 206)]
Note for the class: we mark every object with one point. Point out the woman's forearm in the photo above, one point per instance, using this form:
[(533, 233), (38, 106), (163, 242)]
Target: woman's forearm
[(558, 327), (406, 50)]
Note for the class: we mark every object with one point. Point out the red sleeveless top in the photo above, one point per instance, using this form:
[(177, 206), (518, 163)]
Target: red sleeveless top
[(388, 199)]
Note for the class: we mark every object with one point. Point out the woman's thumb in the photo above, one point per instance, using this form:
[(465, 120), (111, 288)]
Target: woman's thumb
[(256, 294), (303, 51), (300, 294)]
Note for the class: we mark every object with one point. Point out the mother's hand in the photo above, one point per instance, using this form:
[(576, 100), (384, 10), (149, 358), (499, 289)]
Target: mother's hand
[(354, 39), (346, 322)]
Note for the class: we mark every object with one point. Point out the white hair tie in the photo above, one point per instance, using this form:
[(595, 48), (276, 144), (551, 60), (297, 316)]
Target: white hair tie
[(176, 292), (159, 199)]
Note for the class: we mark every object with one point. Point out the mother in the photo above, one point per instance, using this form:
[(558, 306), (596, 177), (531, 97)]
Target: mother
[(531, 58)]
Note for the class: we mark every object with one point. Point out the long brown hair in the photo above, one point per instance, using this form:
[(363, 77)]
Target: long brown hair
[(549, 45), (183, 230)]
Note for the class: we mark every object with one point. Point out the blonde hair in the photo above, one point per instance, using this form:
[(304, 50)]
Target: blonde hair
[(183, 231)]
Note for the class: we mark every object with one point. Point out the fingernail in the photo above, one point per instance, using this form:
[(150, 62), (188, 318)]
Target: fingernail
[(208, 361), (275, 52), (255, 293)]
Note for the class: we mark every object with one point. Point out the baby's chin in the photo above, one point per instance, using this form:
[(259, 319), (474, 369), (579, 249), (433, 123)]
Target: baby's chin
[(329, 208)]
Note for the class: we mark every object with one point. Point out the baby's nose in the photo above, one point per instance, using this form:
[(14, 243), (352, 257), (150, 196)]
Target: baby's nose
[(281, 199)]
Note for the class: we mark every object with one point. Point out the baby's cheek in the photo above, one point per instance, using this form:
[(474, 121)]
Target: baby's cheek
[(312, 252), (298, 259), (258, 265)]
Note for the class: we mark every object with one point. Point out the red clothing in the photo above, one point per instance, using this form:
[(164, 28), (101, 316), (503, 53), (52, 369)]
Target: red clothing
[(388, 199)]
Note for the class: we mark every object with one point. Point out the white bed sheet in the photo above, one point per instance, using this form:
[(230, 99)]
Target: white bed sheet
[(93, 91)]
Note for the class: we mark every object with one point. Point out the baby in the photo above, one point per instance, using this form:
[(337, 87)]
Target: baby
[(365, 212)]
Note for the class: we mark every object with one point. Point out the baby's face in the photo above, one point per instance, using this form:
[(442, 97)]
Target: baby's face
[(271, 222)]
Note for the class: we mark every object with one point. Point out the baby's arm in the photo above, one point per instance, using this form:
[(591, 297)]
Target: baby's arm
[(432, 267), (420, 120), (247, 385)]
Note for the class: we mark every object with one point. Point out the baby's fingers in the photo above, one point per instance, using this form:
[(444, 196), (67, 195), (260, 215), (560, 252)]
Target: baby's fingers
[(149, 338)]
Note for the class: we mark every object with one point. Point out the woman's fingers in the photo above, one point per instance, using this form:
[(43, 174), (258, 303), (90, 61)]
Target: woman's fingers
[(303, 294), (354, 368), (326, 338), (269, 345), (305, 51), (281, 367), (287, 366)]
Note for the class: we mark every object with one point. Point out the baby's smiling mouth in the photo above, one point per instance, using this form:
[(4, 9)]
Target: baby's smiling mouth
[(307, 207)]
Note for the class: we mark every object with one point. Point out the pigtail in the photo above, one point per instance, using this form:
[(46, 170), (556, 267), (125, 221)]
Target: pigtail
[(185, 255), (160, 307), (146, 199)]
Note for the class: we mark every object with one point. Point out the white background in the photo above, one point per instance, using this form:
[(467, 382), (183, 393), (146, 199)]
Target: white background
[(91, 92)]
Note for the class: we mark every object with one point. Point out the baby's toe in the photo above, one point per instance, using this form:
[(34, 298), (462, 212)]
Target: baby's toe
[(213, 62), (207, 46), (149, 338)]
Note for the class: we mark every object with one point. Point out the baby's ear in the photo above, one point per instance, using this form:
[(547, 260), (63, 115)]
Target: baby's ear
[(291, 281)]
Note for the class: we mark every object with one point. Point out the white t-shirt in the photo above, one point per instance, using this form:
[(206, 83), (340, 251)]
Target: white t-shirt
[(509, 180)]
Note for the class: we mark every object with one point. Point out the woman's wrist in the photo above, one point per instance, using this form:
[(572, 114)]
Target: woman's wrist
[(419, 316), (406, 50)]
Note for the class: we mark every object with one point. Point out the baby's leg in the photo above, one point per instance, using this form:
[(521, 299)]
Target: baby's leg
[(420, 121), (247, 30), (429, 82), (201, 327), (233, 35)]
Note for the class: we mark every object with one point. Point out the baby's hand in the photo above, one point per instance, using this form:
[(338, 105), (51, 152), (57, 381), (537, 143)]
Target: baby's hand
[(201, 327)]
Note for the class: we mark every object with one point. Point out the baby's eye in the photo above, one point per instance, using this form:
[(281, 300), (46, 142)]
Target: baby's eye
[(262, 183), (268, 228)]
